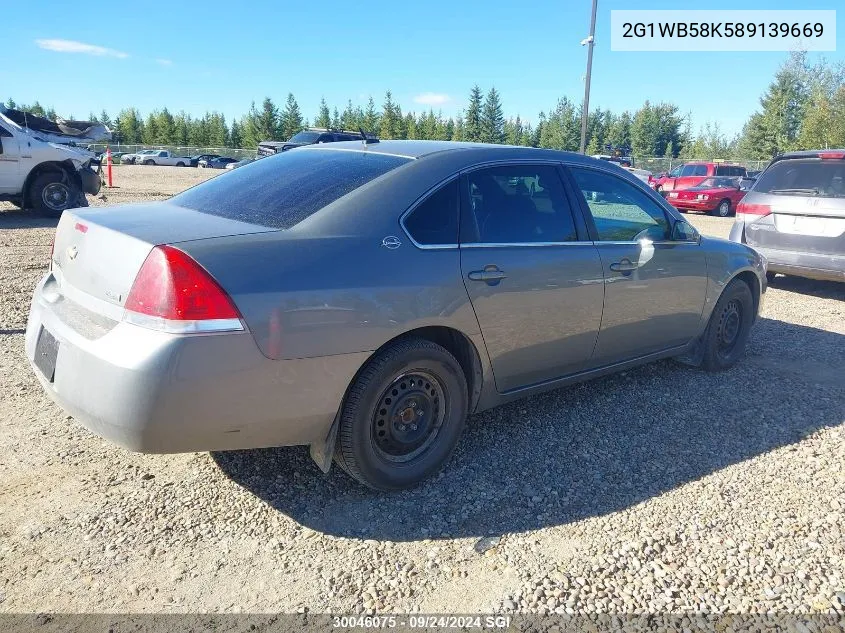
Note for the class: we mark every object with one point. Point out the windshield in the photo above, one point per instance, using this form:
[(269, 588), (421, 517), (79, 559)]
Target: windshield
[(693, 170), (305, 136), (723, 182), (804, 177), (281, 191)]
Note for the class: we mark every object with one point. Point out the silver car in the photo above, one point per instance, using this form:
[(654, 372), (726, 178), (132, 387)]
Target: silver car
[(794, 214), (365, 298)]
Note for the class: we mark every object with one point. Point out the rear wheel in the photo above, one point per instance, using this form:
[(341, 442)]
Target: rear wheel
[(403, 415), (149, 161), (729, 327), (724, 209), (180, 164)]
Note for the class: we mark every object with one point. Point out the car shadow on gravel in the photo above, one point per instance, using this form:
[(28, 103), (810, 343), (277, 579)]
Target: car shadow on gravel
[(584, 451), (820, 289), (25, 219)]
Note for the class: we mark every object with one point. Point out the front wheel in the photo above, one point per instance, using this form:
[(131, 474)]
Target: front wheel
[(149, 162), (729, 327), (180, 164), (50, 194), (403, 415), (724, 209)]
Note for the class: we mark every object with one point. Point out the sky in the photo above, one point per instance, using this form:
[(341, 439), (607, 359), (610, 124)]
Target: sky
[(199, 57)]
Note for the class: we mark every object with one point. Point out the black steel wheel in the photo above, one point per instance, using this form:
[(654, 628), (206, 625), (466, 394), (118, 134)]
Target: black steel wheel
[(402, 416), (729, 327), (50, 193)]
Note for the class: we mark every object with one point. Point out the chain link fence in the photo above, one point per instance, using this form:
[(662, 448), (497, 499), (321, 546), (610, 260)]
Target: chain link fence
[(176, 150)]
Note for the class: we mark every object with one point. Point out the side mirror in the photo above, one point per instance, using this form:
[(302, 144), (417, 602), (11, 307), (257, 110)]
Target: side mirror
[(683, 231)]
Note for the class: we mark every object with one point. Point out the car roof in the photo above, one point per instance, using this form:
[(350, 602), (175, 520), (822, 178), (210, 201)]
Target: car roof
[(807, 153), (479, 151)]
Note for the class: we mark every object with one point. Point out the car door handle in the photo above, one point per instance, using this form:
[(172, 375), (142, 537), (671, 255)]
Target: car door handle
[(625, 266), (489, 274)]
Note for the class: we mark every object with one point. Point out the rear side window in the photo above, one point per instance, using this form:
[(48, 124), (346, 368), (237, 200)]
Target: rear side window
[(730, 170), (804, 177), (517, 204), (281, 191), (435, 220)]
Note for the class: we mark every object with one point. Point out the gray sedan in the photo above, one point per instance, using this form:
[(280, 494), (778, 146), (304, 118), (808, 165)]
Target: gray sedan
[(364, 299)]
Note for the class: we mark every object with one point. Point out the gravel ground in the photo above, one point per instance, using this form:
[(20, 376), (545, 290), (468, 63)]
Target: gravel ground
[(660, 489)]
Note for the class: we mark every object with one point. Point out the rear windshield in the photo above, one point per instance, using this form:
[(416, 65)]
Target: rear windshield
[(281, 191), (804, 177)]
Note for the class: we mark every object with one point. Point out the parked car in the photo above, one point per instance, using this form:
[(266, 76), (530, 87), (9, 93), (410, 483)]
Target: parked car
[(643, 174), (794, 215), (624, 161), (717, 195), (163, 157), (691, 174), (196, 158), (310, 136), (217, 163), (46, 176), (240, 163), (336, 299), (136, 157)]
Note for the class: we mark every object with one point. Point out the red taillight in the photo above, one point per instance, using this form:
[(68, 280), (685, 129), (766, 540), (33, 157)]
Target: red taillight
[(747, 208), (831, 155), (174, 293), (82, 228)]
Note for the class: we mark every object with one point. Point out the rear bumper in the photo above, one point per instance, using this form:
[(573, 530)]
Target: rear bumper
[(811, 265), (693, 205), (162, 393)]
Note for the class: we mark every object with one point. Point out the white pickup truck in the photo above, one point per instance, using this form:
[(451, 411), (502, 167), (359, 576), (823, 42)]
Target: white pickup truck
[(162, 157), (40, 168)]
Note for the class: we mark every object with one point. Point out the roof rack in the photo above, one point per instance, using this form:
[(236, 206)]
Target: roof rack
[(332, 129)]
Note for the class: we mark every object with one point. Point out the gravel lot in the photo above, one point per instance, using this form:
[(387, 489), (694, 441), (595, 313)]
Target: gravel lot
[(664, 488)]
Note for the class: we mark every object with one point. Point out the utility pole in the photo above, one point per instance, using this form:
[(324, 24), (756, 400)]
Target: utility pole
[(589, 43)]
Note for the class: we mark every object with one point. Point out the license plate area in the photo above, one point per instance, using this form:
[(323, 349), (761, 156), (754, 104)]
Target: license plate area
[(46, 352)]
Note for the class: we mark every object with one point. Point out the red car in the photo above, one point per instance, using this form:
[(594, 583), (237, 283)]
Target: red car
[(717, 195), (690, 174)]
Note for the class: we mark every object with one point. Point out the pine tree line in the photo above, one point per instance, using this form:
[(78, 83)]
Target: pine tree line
[(804, 107)]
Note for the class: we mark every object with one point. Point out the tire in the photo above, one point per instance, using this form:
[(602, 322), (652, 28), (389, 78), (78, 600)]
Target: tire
[(50, 195), (149, 161), (180, 164), (729, 327), (723, 210), (421, 392)]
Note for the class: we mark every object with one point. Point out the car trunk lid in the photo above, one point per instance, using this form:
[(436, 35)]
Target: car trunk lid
[(98, 252)]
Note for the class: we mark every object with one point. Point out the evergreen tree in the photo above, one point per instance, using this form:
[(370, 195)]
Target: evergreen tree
[(149, 134), (335, 119), (472, 123), (130, 126), (411, 126), (235, 136), (291, 119), (389, 121), (324, 118), (492, 119), (267, 123), (458, 131), (370, 121), (105, 119), (164, 130)]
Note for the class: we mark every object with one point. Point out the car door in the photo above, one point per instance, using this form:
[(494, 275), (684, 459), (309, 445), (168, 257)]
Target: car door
[(10, 159), (654, 286), (531, 272)]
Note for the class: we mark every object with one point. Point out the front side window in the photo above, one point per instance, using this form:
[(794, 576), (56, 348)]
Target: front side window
[(621, 212), (435, 220), (518, 204)]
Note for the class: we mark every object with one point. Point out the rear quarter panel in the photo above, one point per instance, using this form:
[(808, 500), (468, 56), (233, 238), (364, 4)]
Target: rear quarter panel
[(319, 296)]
